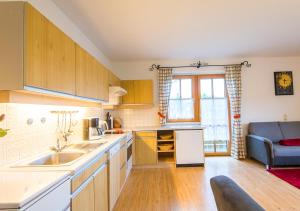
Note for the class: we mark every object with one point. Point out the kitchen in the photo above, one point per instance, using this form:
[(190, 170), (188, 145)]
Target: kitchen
[(55, 94)]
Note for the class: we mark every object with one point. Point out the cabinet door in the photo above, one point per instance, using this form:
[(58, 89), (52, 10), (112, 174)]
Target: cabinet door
[(122, 176), (35, 57), (102, 82), (60, 61), (114, 180), (128, 85), (84, 200), (113, 79), (86, 74), (143, 92), (101, 189), (49, 54), (145, 151)]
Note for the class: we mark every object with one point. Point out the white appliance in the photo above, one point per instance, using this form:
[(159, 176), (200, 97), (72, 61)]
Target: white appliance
[(129, 153), (189, 148), (115, 92)]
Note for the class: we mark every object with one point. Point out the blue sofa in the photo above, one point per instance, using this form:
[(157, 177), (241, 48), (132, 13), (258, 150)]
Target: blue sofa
[(262, 143)]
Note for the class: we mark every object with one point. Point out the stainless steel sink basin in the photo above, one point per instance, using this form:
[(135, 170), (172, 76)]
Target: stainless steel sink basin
[(86, 147), (58, 158)]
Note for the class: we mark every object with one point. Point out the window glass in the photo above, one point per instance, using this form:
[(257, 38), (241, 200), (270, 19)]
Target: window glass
[(219, 88), (175, 89), (186, 88), (181, 109), (206, 88)]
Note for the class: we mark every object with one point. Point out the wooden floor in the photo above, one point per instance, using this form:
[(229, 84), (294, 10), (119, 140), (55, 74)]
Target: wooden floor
[(188, 188)]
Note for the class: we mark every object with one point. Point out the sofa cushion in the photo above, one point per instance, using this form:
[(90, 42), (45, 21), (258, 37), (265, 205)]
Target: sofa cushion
[(290, 142), (270, 130), (290, 129), (286, 151)]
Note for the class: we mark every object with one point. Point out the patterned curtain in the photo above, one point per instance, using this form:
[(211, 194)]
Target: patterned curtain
[(164, 86), (234, 87)]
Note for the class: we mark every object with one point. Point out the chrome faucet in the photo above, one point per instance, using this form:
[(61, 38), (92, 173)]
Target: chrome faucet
[(58, 147), (64, 129)]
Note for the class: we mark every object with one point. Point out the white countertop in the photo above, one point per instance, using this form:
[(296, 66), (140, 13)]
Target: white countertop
[(172, 126), (75, 167), (19, 188), (21, 184), (15, 191)]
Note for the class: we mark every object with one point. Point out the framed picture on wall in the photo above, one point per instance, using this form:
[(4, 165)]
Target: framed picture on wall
[(283, 83)]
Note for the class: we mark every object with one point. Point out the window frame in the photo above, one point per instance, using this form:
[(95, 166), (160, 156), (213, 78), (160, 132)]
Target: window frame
[(195, 97)]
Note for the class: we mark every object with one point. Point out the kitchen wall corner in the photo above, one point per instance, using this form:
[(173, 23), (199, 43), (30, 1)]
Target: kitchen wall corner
[(24, 140)]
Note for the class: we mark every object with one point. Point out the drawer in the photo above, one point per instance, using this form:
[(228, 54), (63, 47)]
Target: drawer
[(79, 179), (145, 134), (60, 195)]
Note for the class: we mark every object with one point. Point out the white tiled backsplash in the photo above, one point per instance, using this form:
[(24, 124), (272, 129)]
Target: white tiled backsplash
[(25, 140), (137, 117)]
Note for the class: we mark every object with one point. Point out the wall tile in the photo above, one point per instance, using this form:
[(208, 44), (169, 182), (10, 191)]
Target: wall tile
[(24, 140)]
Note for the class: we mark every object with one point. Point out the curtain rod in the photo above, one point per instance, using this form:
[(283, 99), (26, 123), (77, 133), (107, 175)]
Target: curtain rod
[(199, 65)]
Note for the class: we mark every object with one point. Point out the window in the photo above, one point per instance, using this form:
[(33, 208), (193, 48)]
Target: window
[(182, 100), (202, 98), (214, 115)]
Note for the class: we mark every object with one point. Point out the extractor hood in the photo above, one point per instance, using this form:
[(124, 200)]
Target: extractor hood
[(116, 91)]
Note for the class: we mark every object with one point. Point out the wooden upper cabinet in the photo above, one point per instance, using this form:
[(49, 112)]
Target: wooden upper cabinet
[(138, 91), (35, 58), (49, 54), (39, 55), (143, 91), (86, 74), (103, 75), (91, 76), (60, 61), (113, 80), (128, 85)]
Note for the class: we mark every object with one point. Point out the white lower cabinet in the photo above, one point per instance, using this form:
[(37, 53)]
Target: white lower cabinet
[(56, 199), (114, 175)]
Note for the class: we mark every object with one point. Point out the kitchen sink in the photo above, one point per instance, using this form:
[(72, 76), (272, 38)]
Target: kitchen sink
[(66, 157), (58, 158)]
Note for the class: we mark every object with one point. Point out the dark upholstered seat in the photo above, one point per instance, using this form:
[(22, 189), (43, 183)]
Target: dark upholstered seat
[(230, 197)]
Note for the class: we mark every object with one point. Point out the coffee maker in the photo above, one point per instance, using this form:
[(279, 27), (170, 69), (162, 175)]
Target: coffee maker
[(94, 128)]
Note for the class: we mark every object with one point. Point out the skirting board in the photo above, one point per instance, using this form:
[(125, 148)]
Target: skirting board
[(190, 165)]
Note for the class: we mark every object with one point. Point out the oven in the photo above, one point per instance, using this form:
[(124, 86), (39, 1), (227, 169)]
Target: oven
[(129, 155), (129, 150)]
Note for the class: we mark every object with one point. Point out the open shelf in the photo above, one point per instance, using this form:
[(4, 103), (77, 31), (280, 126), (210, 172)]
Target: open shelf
[(171, 150), (163, 140)]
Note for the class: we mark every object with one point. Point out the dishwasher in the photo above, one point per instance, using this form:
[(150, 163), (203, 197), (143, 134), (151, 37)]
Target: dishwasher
[(189, 148)]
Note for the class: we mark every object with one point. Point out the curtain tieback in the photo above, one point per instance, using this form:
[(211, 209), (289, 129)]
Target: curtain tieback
[(237, 116), (161, 115)]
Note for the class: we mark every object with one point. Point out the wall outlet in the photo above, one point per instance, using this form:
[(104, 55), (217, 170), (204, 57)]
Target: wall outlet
[(285, 117)]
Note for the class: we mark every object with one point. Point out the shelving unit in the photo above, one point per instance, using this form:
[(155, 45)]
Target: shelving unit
[(165, 156)]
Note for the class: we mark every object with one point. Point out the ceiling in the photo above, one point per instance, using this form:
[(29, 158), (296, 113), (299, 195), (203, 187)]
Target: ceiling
[(188, 29)]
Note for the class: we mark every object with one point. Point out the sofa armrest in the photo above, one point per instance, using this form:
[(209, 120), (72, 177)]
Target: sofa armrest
[(260, 148)]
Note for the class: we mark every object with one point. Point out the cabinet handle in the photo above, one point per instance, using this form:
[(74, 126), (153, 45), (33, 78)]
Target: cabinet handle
[(99, 169), (82, 186)]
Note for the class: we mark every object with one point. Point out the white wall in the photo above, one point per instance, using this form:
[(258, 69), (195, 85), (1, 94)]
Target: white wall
[(259, 102), (58, 18)]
